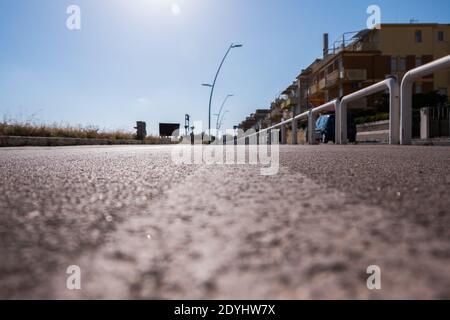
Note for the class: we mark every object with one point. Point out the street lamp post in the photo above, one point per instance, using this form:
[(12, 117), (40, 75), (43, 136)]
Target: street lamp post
[(232, 46), (221, 108), (222, 119)]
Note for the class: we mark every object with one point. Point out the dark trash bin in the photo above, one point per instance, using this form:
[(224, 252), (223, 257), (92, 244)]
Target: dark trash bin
[(141, 130)]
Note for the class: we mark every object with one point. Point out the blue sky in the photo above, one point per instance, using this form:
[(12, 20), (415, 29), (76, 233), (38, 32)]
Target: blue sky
[(145, 59)]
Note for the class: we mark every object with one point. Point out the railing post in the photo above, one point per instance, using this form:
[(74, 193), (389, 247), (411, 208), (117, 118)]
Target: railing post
[(337, 122), (283, 132), (294, 131), (341, 106), (337, 125), (311, 128), (406, 112), (394, 111)]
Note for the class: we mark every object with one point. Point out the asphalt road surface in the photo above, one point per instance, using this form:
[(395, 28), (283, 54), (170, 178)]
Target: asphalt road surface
[(140, 226)]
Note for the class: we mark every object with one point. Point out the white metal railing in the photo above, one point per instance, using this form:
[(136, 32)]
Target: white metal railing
[(400, 106), (312, 118), (341, 112), (302, 116), (406, 94)]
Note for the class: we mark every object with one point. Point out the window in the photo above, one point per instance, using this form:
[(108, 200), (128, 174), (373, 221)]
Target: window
[(330, 68), (440, 36), (402, 64), (418, 61), (418, 36), (393, 64), (418, 88), (336, 65), (398, 64)]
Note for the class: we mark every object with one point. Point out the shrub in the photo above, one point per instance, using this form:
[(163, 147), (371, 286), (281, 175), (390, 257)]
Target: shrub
[(64, 131), (373, 118)]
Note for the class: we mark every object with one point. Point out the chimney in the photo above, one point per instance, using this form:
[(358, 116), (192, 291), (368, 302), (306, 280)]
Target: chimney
[(325, 45)]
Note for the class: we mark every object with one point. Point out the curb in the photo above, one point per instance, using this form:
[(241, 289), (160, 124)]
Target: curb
[(13, 141)]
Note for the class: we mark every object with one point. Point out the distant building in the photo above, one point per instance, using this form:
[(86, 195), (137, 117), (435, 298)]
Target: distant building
[(255, 121)]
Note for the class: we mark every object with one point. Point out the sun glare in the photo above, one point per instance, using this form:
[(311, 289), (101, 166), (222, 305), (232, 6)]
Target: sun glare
[(161, 6), (176, 10)]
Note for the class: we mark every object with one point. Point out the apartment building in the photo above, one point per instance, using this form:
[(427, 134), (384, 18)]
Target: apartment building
[(359, 59), (369, 56), (255, 121)]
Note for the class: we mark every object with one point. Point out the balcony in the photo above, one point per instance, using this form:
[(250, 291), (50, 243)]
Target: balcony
[(313, 89), (288, 103), (275, 112), (322, 83), (332, 78), (366, 46), (356, 74)]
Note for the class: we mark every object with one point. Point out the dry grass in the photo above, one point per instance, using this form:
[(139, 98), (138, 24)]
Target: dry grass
[(64, 131)]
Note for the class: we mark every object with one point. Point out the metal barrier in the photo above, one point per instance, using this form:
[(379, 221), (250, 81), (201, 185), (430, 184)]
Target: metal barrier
[(302, 116), (400, 106), (312, 118), (394, 113), (406, 94)]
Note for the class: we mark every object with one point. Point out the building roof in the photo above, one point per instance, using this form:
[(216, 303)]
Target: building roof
[(288, 90), (362, 33), (424, 24)]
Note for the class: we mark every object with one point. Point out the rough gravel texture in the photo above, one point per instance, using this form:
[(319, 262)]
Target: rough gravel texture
[(140, 226)]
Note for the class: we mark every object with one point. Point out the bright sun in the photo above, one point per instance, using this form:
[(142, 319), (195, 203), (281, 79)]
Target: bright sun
[(176, 10), (160, 6)]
